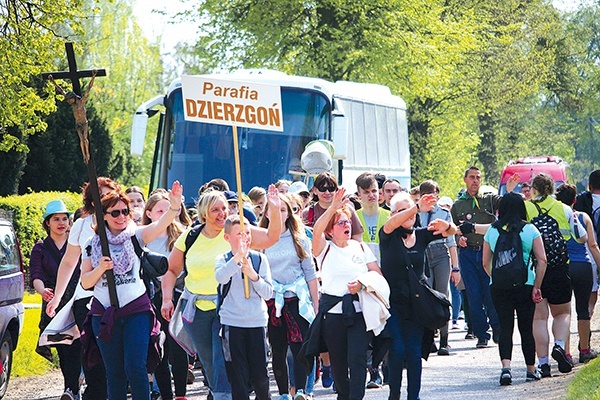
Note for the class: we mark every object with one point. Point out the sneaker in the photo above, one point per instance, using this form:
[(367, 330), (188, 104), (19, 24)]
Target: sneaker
[(154, 395), (68, 395), (533, 375), (326, 377), (505, 377), (469, 336), (300, 395), (482, 343), (585, 357), (375, 381), (285, 397), (455, 325), (190, 377), (545, 370), (564, 365), (443, 351)]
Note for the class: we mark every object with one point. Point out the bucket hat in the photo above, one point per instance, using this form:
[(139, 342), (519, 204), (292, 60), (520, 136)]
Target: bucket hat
[(55, 207)]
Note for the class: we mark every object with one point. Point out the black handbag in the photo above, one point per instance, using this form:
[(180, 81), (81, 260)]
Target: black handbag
[(152, 264), (428, 306)]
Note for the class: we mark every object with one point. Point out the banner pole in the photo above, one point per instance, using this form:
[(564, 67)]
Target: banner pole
[(238, 178)]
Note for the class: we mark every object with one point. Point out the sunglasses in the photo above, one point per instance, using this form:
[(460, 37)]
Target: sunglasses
[(116, 213), (329, 189), (343, 222)]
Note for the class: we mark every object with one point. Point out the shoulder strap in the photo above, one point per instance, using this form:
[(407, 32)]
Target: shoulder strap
[(226, 286), (325, 255), (256, 260), (538, 208), (136, 246), (191, 237)]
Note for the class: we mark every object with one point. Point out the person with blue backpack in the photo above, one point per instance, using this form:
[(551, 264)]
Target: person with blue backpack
[(557, 224), (515, 284)]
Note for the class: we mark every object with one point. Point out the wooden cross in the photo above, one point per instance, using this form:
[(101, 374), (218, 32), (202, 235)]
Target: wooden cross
[(73, 74), (78, 104)]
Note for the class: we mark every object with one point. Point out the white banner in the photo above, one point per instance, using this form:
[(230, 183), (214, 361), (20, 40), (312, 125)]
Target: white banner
[(226, 102)]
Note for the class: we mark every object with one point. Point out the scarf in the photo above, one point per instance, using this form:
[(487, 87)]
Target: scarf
[(125, 260)]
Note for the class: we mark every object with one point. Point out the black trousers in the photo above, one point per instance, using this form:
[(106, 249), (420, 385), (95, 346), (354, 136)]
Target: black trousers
[(245, 351), (506, 303), (581, 282), (348, 352), (279, 346)]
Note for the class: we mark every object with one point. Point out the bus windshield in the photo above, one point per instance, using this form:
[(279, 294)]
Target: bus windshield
[(201, 152)]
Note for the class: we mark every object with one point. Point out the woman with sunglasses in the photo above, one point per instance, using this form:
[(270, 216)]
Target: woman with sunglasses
[(324, 189), (295, 302), (81, 231), (123, 334), (342, 260)]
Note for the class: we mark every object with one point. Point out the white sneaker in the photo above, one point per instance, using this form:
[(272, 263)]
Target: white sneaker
[(455, 325), (300, 395), (68, 395)]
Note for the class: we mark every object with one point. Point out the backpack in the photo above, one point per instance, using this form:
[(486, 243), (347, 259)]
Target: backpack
[(223, 289), (554, 242), (509, 269)]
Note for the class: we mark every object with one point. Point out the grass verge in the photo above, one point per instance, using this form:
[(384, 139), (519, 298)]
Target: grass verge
[(586, 384), (26, 362)]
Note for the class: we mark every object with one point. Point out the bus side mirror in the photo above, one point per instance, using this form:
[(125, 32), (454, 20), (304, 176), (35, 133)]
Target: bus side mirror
[(339, 135), (138, 133)]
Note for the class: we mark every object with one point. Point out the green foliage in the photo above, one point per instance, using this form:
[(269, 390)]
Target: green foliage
[(26, 362), (27, 211), (113, 40), (54, 161), (586, 384), (485, 81), (31, 37)]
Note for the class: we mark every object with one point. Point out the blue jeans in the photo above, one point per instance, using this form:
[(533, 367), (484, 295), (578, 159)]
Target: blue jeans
[(477, 286), (456, 301), (406, 346), (125, 355), (204, 331)]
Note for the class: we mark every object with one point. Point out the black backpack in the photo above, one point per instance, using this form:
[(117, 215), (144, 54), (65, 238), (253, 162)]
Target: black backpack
[(555, 245), (509, 269)]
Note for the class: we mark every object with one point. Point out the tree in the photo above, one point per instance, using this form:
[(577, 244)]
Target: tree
[(31, 37), (54, 161)]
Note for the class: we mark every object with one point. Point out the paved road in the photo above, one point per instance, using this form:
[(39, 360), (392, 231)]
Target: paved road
[(468, 373)]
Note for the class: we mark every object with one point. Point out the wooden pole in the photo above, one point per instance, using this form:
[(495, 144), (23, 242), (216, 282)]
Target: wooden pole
[(238, 177)]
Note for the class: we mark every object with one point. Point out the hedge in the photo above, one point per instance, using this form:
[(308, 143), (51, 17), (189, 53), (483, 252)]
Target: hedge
[(26, 213)]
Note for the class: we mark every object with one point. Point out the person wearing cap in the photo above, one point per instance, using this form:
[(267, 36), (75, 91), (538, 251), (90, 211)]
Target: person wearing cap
[(232, 201), (300, 189), (45, 259)]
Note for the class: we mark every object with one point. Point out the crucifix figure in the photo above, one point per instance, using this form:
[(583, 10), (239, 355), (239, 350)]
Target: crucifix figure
[(81, 124), (77, 102)]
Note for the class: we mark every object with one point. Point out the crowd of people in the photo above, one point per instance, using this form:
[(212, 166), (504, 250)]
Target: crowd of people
[(317, 280)]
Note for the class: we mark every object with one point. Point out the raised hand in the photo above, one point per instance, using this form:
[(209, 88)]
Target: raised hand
[(427, 202), (273, 197), (176, 195)]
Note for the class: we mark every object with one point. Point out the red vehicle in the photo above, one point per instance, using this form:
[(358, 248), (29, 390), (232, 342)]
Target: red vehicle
[(528, 167)]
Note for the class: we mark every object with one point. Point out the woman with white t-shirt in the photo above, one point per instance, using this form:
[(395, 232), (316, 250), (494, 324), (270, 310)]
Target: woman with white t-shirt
[(81, 231), (341, 260), (123, 333)]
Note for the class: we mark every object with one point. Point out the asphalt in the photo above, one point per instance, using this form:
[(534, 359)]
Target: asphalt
[(469, 373)]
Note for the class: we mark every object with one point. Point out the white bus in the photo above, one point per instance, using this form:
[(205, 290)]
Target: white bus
[(365, 122)]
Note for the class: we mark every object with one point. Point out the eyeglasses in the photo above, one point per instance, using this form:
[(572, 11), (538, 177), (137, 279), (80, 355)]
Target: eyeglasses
[(295, 209), (329, 189), (343, 222), (116, 213)]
